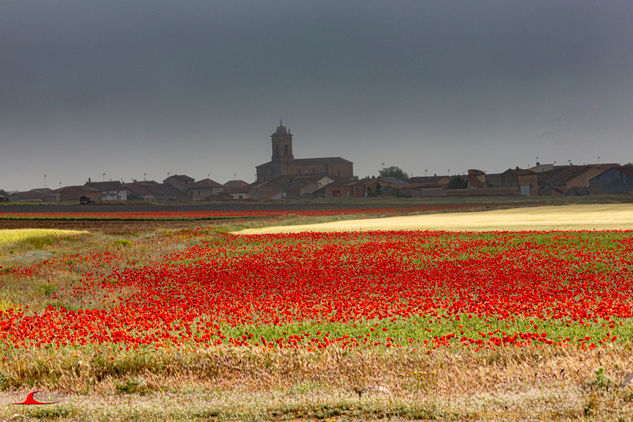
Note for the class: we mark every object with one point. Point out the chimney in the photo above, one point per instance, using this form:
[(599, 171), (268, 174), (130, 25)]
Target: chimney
[(88, 180)]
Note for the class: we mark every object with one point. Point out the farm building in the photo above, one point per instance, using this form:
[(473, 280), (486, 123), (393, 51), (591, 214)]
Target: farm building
[(571, 180), (614, 180)]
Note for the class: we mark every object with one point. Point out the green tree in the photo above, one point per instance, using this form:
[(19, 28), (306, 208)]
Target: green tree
[(394, 171)]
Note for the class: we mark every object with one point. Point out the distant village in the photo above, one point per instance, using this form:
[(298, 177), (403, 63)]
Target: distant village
[(288, 178)]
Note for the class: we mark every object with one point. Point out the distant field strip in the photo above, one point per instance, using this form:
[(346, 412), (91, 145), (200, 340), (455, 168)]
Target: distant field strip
[(17, 235), (565, 217)]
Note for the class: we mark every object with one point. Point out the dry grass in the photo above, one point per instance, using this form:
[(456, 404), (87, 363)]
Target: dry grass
[(11, 236), (241, 383), (45, 286), (564, 217)]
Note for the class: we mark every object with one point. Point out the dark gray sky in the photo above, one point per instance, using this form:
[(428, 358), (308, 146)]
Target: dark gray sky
[(127, 87)]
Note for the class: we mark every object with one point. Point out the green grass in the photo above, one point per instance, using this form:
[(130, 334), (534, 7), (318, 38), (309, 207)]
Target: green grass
[(421, 329)]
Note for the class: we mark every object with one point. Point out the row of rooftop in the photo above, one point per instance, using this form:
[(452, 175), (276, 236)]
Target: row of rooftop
[(543, 179)]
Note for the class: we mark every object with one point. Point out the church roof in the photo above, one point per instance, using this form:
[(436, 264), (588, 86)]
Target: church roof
[(322, 160)]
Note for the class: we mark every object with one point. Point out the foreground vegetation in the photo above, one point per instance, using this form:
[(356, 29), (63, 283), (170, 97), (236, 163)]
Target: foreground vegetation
[(33, 238), (198, 323), (242, 384)]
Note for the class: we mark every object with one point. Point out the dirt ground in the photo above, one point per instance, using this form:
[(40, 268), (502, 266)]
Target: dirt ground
[(116, 227)]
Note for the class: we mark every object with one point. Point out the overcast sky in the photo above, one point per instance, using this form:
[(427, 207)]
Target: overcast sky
[(127, 87)]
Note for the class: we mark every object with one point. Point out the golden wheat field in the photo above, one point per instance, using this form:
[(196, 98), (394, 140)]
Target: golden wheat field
[(564, 217)]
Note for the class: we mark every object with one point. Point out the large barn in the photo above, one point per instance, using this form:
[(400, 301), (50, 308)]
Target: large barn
[(283, 162)]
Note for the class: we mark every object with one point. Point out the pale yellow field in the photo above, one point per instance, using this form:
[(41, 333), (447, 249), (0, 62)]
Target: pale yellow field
[(16, 235), (564, 217)]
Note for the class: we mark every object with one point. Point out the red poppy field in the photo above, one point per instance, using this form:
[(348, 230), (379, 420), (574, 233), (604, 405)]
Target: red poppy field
[(387, 289), (414, 293)]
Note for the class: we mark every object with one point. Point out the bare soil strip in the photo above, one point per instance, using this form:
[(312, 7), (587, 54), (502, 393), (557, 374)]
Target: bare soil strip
[(117, 227), (565, 217)]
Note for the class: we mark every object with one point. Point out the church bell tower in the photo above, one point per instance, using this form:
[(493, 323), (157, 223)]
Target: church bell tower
[(282, 144)]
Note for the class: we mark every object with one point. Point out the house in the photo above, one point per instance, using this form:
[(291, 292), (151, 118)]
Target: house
[(570, 180), (204, 190), (541, 168), (276, 188), (237, 189), (434, 181), (141, 191), (375, 186), (290, 187), (505, 180), (166, 193), (34, 195), (76, 193), (476, 179), (151, 190), (554, 182), (579, 183), (4, 198), (110, 191), (336, 189), (306, 186), (283, 162), (614, 180), (527, 181), (418, 190), (265, 193), (179, 181), (511, 181)]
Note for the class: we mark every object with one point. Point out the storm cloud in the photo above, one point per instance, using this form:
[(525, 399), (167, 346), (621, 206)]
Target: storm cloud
[(135, 88)]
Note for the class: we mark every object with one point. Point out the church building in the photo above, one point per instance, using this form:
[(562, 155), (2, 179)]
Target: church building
[(283, 162)]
